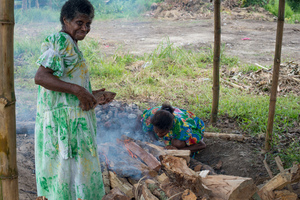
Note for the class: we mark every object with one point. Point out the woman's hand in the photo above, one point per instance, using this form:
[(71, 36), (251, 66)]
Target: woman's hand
[(87, 100)]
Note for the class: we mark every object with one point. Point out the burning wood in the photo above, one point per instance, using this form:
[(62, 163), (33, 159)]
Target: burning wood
[(119, 161), (176, 180), (148, 158), (157, 151)]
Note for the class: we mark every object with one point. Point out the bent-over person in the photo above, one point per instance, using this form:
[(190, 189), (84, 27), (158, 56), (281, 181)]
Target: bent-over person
[(178, 128)]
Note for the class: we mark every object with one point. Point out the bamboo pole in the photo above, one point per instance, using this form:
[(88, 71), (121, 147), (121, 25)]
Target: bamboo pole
[(216, 69), (8, 159), (277, 58)]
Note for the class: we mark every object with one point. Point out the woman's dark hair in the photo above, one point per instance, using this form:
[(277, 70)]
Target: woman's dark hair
[(163, 119), (72, 7)]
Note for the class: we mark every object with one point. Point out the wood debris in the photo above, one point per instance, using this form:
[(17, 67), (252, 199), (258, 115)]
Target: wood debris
[(177, 180), (260, 81)]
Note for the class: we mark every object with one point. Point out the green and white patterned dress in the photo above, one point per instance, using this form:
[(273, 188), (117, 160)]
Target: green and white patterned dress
[(67, 164)]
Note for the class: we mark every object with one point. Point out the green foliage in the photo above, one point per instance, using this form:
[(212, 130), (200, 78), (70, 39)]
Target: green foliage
[(292, 8), (246, 3), (121, 8), (249, 68), (98, 67), (26, 53), (273, 6), (36, 15), (288, 152), (295, 5)]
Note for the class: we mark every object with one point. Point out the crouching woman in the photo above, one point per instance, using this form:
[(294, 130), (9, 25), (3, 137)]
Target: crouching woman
[(178, 128)]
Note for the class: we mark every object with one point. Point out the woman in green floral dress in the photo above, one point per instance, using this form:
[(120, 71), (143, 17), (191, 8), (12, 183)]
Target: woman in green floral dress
[(67, 165)]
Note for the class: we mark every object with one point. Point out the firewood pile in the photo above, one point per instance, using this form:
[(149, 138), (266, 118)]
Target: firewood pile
[(260, 81), (133, 169)]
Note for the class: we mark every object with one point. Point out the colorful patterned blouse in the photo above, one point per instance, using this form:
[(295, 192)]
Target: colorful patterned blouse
[(67, 165), (186, 127)]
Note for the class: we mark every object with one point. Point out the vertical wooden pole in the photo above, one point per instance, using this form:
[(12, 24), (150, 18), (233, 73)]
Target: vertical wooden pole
[(8, 158), (277, 59), (216, 67)]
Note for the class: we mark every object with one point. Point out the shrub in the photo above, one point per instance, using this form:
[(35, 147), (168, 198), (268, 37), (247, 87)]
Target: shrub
[(273, 6)]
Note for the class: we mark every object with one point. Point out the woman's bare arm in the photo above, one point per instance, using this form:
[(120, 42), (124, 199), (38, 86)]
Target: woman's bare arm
[(44, 77)]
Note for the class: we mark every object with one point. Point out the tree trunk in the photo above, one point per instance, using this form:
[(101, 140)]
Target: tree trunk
[(8, 160), (217, 50), (277, 58)]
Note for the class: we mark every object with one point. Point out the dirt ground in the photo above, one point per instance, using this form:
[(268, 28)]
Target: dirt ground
[(250, 39)]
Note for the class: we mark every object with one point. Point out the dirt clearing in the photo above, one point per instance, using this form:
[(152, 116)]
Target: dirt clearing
[(252, 41)]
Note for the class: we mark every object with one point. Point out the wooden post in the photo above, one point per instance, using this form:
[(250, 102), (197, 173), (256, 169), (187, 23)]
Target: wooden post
[(216, 70), (275, 77), (8, 160)]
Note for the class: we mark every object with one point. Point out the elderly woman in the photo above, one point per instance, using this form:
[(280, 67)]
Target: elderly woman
[(67, 165), (178, 128)]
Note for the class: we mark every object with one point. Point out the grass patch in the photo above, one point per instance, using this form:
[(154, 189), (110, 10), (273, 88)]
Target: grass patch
[(40, 15), (177, 75), (291, 16)]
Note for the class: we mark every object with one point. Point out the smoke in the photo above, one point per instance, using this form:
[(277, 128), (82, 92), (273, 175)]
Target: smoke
[(117, 119)]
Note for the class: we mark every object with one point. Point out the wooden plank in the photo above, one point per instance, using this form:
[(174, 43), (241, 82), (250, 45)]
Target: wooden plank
[(163, 179), (188, 195), (180, 153), (149, 159), (281, 169), (125, 187), (147, 193), (282, 179), (279, 181), (285, 194), (117, 159), (105, 177), (225, 136), (230, 187), (268, 168), (115, 193), (157, 151), (177, 170)]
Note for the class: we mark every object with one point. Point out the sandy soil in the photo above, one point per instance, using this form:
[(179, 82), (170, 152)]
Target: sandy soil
[(143, 36), (139, 37)]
